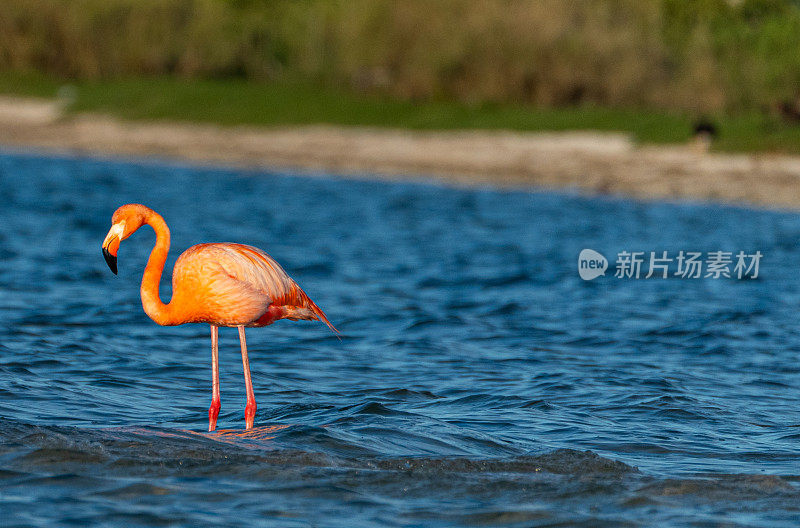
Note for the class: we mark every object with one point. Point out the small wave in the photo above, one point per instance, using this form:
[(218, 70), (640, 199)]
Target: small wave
[(559, 462), (726, 487), (409, 395), (62, 448)]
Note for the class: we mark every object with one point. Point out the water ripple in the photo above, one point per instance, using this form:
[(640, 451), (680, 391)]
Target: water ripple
[(478, 380)]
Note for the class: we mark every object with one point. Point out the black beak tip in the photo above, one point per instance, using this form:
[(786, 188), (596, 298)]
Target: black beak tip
[(111, 260)]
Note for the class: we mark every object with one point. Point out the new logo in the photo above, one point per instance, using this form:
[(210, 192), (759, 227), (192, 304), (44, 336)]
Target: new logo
[(591, 264)]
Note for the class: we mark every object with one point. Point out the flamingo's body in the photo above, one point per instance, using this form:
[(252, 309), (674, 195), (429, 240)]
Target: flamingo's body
[(219, 284), (235, 285)]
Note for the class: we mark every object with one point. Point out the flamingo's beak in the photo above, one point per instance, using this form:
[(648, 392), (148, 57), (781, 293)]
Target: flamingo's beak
[(111, 245)]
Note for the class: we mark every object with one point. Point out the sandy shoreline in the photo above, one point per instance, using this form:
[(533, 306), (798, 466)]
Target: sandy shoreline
[(591, 162)]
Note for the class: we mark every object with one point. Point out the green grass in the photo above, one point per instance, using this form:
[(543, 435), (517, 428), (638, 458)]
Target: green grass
[(28, 84), (236, 102)]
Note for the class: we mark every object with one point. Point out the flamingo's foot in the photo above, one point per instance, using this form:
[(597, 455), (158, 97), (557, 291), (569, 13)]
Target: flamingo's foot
[(249, 414), (213, 413)]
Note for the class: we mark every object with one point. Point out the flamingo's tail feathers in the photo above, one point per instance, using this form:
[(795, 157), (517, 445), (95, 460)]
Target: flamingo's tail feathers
[(320, 315)]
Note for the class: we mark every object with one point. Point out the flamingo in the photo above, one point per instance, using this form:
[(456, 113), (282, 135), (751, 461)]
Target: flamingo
[(221, 284)]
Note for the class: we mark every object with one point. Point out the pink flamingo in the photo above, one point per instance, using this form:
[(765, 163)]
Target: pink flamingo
[(219, 284)]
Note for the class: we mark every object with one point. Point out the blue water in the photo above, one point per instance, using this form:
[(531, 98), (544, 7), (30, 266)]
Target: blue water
[(479, 380)]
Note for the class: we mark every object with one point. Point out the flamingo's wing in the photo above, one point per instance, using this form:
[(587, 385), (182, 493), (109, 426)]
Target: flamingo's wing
[(259, 272), (257, 269)]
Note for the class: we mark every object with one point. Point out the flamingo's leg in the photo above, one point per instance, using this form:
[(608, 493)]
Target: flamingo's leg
[(213, 411), (250, 409)]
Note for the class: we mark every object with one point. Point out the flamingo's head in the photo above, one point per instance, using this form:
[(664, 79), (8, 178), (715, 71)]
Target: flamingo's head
[(126, 220)]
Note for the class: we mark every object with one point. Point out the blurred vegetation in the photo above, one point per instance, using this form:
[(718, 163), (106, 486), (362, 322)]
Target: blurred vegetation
[(243, 102), (474, 62)]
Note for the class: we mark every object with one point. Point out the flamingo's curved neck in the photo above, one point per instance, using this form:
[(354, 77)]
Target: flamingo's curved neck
[(153, 307)]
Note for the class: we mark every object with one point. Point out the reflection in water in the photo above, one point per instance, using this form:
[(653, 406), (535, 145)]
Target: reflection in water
[(261, 433)]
